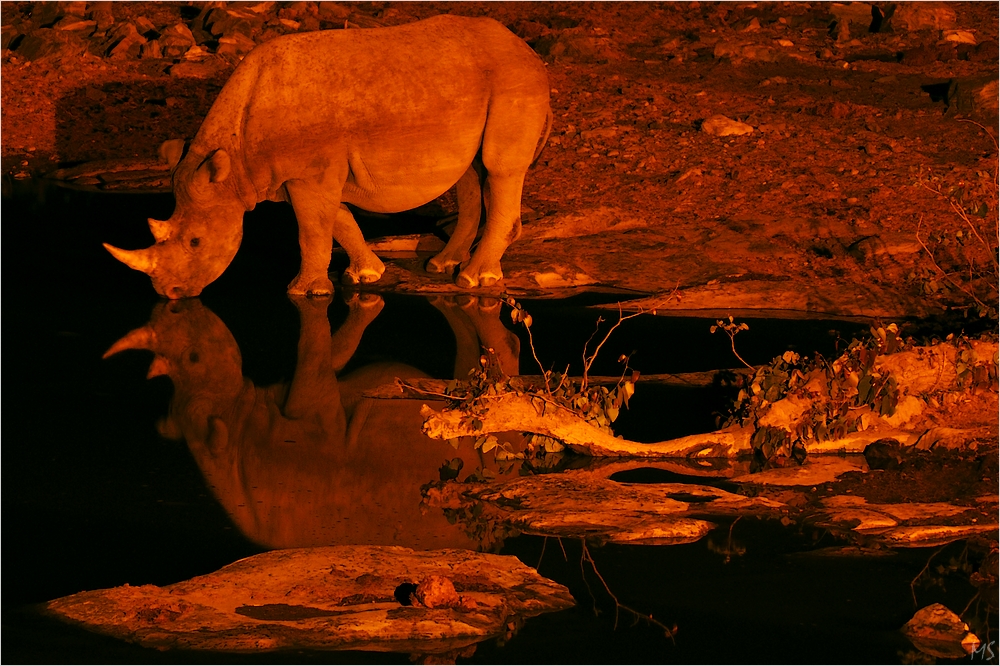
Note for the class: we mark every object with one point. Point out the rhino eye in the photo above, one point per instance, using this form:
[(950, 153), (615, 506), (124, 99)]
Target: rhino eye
[(195, 242), (193, 357)]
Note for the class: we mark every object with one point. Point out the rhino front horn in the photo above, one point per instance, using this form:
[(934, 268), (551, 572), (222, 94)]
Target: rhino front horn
[(140, 260), (140, 338)]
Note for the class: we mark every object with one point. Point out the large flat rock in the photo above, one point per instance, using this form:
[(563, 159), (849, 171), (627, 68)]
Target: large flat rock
[(339, 597)]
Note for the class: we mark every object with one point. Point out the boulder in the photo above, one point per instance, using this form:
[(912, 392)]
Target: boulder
[(47, 44), (125, 42)]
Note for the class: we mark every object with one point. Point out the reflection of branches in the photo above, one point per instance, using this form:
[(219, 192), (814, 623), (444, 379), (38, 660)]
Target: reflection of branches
[(619, 606), (913, 582)]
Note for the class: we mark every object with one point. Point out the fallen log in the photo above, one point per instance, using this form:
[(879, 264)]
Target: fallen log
[(519, 413)]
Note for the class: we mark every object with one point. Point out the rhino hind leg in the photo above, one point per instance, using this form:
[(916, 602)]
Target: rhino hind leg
[(470, 206), (502, 195)]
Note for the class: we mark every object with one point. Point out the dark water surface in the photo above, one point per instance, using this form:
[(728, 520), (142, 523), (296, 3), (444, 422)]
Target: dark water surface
[(95, 497)]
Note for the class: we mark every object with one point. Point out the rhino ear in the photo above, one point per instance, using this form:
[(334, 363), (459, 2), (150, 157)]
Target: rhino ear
[(171, 152), (218, 434), (218, 166)]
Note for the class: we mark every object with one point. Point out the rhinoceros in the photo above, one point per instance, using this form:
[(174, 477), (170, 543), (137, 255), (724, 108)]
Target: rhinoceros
[(313, 462), (385, 119)]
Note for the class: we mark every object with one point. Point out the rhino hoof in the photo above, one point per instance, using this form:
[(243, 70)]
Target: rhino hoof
[(466, 281), (439, 265)]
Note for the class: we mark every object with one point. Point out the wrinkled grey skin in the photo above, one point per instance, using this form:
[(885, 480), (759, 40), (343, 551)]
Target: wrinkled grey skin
[(384, 119)]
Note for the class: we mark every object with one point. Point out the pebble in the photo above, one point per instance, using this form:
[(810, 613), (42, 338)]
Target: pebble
[(720, 125)]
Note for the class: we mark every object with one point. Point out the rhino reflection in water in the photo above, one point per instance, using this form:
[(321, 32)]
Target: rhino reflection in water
[(312, 462)]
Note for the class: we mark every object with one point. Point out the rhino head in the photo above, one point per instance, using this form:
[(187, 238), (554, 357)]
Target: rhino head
[(192, 347), (200, 239)]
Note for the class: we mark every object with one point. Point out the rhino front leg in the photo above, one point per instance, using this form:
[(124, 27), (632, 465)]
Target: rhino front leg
[(322, 218), (503, 227), (470, 206)]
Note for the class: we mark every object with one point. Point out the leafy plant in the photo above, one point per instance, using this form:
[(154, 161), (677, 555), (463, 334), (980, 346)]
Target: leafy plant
[(599, 406), (840, 393)]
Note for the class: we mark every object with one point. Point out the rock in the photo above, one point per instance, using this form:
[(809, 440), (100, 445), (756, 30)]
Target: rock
[(46, 14), (231, 21), (986, 51), (937, 631), (8, 35), (125, 42), (853, 20), (100, 12), (176, 40), (720, 125), (855, 12), (976, 96), (46, 44), (575, 46), (339, 597), (924, 16), (77, 8), (329, 11), (144, 25), (959, 36), (587, 503), (235, 46), (150, 50), (262, 7), (309, 24), (529, 31), (437, 592), (76, 24)]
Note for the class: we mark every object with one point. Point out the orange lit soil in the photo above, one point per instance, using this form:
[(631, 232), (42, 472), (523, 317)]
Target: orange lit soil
[(817, 209)]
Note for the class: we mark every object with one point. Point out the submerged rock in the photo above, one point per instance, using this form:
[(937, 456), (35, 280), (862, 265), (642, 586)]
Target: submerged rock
[(937, 631)]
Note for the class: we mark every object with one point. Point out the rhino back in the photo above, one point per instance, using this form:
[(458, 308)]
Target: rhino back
[(409, 101)]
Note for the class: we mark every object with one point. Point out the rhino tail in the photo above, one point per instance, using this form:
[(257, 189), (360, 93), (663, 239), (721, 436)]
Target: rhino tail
[(544, 138)]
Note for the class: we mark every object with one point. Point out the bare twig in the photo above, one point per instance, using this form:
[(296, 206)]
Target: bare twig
[(587, 362), (531, 343), (982, 127), (940, 270)]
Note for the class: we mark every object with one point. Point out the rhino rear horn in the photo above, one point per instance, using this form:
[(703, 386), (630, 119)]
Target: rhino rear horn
[(171, 152), (140, 260), (140, 338), (161, 230)]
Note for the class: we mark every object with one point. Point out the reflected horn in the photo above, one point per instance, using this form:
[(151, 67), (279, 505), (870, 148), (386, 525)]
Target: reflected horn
[(140, 338), (140, 260), (158, 368), (160, 229)]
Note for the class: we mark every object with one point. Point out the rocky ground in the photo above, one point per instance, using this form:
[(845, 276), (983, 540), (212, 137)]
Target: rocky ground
[(853, 173)]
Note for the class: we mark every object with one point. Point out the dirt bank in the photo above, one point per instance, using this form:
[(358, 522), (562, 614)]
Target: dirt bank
[(845, 196)]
